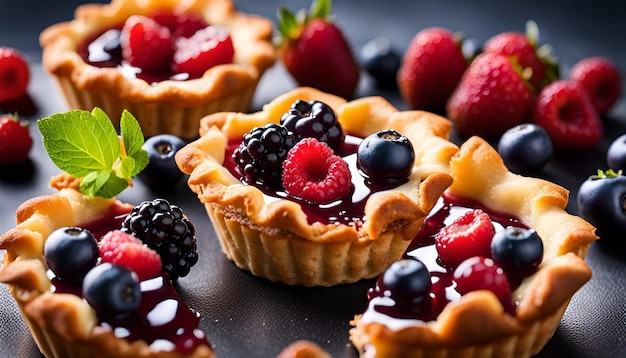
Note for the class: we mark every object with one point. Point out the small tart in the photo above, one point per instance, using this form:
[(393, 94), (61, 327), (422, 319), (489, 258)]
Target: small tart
[(63, 324), (168, 106), (480, 175), (273, 239)]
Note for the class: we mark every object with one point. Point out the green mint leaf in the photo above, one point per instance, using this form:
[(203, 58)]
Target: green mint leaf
[(80, 142), (133, 142), (86, 145), (102, 183)]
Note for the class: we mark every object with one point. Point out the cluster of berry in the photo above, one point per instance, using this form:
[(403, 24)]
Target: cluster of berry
[(303, 155), (155, 237)]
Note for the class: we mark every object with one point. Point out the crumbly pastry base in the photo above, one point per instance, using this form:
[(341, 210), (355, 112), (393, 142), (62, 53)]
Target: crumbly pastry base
[(274, 240), (63, 325), (479, 174), (173, 107)]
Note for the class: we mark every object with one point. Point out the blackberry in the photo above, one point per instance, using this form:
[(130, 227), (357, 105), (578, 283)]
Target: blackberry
[(165, 229), (314, 119), (260, 155)]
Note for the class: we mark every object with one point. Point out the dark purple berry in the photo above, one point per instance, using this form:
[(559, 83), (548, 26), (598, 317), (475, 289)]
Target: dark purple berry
[(408, 280), (525, 148), (381, 61), (314, 119), (602, 202), (112, 288), (385, 155), (260, 155), (517, 250), (70, 252), (616, 154), (164, 228), (162, 173)]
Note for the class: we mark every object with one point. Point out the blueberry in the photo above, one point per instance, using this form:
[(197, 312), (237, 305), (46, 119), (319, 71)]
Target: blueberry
[(602, 202), (381, 61), (112, 288), (616, 154), (408, 280), (70, 252), (517, 250), (385, 155), (525, 148), (162, 173)]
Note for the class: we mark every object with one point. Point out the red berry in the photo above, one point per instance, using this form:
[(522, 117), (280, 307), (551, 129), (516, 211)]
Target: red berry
[(146, 44), (564, 109), (314, 173), (431, 68), (469, 235), (124, 249), (491, 97), (208, 47), (14, 74), (480, 273), (15, 140), (316, 53), (601, 78), (538, 66), (185, 24)]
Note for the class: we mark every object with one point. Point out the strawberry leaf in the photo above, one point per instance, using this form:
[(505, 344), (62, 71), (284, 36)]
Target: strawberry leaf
[(320, 9), (85, 145)]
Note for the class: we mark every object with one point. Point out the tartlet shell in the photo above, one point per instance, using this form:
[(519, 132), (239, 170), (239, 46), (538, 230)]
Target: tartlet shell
[(173, 107), (274, 240), (476, 325), (63, 325)]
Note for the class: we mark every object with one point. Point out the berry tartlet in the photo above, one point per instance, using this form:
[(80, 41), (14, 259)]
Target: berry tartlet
[(168, 63), (53, 250), (489, 275), (297, 223)]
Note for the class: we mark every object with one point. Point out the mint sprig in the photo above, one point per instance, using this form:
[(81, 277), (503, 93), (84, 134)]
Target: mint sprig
[(86, 145)]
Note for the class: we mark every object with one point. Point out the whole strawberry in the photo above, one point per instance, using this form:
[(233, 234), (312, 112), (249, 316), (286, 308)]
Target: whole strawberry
[(564, 109), (601, 78), (15, 140), (431, 68), (315, 51), (491, 97), (538, 66)]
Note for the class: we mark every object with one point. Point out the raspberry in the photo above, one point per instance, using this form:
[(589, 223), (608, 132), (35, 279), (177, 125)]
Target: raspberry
[(124, 249), (14, 74), (469, 235), (564, 109), (314, 173), (208, 47), (165, 229), (146, 44), (314, 119), (480, 273), (600, 77), (260, 155), (15, 140)]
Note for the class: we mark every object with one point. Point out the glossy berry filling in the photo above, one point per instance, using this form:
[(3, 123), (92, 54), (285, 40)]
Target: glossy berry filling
[(347, 210), (104, 49), (163, 319), (383, 308)]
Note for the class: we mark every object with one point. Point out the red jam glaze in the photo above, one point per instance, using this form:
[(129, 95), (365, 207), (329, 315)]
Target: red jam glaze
[(423, 248), (103, 50), (163, 319), (348, 210)]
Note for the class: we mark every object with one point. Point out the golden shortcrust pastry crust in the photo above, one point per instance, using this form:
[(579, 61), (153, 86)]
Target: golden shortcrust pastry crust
[(475, 325), (63, 325), (169, 106), (274, 239)]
